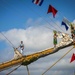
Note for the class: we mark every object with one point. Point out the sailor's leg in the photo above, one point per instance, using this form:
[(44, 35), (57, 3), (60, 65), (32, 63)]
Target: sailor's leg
[(21, 51)]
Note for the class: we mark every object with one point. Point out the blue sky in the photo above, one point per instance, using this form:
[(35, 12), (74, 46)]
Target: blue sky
[(15, 13), (23, 20)]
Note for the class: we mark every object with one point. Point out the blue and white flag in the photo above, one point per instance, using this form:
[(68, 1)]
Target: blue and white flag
[(65, 22), (38, 2)]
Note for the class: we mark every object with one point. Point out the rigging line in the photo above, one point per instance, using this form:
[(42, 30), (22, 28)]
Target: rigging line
[(8, 40), (46, 20), (55, 23), (57, 61), (48, 28), (13, 70), (49, 23), (43, 19), (54, 30), (61, 16), (66, 18), (40, 16), (25, 15), (8, 5), (44, 26), (12, 7), (28, 70), (51, 19)]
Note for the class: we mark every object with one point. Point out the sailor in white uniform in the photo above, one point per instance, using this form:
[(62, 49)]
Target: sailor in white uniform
[(21, 47)]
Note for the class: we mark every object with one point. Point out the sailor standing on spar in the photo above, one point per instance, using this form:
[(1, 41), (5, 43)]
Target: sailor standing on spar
[(21, 46)]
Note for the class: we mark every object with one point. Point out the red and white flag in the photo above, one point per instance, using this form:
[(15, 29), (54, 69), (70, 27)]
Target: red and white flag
[(38, 2)]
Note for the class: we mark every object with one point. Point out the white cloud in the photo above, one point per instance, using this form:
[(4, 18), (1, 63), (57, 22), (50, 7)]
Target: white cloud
[(35, 39), (30, 22), (73, 21)]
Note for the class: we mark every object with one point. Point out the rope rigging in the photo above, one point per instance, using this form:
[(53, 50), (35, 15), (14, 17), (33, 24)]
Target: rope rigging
[(28, 70), (47, 21), (7, 39), (48, 28), (13, 70), (17, 68), (40, 16), (44, 19), (57, 61)]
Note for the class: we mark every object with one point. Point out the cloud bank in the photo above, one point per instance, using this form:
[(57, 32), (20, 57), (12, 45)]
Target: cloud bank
[(36, 38)]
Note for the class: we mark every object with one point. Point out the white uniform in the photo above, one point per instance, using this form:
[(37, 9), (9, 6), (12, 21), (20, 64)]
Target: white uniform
[(22, 48)]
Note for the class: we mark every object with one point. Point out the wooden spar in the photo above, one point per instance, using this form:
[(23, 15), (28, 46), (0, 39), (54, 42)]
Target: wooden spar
[(26, 60)]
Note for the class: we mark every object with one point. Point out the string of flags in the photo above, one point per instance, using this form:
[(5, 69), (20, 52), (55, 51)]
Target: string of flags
[(54, 11)]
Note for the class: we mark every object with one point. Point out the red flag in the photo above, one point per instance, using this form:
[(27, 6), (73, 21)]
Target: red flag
[(52, 10), (72, 58)]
